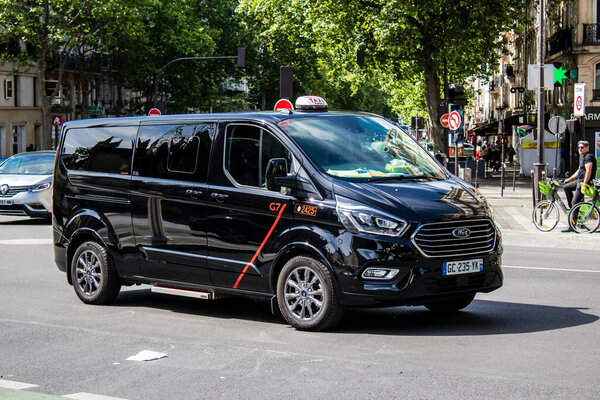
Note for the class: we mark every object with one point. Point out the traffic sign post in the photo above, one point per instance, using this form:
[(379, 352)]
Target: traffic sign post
[(454, 121), (556, 125)]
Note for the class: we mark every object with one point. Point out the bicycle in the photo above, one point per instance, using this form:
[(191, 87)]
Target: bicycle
[(546, 213), (585, 216)]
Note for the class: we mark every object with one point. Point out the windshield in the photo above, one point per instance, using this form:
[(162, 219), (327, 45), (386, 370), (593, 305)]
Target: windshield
[(29, 164), (367, 147)]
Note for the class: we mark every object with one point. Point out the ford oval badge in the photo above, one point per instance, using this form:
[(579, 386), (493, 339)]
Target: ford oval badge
[(461, 233)]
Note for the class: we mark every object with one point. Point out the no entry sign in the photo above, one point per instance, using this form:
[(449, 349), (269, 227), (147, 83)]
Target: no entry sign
[(154, 111), (283, 104), (444, 120), (454, 120)]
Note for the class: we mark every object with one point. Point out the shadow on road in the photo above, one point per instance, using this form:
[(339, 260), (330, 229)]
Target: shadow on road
[(482, 317), (26, 221)]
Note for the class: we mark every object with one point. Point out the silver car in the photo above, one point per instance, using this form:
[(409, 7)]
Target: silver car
[(25, 184)]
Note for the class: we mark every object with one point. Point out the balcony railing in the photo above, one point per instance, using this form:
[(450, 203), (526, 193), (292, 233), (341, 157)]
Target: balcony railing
[(560, 41), (591, 34)]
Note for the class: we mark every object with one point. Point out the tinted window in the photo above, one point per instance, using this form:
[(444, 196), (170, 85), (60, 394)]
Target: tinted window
[(102, 149), (174, 151), (248, 149)]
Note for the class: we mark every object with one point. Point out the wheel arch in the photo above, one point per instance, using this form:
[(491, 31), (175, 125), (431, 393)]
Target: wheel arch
[(80, 236), (293, 250)]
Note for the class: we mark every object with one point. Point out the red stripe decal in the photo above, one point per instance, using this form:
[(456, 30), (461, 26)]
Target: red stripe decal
[(260, 247)]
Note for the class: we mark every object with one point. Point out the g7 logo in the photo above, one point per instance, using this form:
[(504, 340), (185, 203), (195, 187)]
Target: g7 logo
[(274, 206)]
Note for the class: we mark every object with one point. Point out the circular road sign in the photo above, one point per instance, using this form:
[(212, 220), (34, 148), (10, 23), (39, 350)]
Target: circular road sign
[(557, 125), (444, 120), (283, 104), (454, 121), (154, 111)]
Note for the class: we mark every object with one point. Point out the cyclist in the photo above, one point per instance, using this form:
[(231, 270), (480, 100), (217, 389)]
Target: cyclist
[(587, 167)]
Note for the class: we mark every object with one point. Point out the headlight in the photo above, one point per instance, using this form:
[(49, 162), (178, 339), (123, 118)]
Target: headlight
[(357, 217), (39, 188)]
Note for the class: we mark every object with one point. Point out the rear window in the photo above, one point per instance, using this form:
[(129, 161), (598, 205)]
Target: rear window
[(100, 149)]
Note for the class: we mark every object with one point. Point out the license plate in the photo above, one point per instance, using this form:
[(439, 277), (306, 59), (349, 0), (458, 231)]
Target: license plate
[(462, 267), (6, 202)]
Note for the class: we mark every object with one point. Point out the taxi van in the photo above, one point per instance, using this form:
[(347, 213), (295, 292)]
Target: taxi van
[(315, 210)]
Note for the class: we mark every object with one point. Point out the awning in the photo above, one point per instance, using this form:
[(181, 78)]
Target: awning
[(492, 127)]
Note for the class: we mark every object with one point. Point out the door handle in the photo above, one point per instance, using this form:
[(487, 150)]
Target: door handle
[(194, 194), (219, 197)]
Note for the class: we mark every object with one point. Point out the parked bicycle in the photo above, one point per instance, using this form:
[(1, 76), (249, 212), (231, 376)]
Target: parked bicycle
[(584, 217), (546, 213)]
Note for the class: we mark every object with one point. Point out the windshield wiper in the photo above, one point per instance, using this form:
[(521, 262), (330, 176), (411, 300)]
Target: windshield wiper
[(402, 177)]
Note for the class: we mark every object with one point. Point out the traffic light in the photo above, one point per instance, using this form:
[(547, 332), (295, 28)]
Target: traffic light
[(241, 57), (456, 95), (360, 57), (417, 123)]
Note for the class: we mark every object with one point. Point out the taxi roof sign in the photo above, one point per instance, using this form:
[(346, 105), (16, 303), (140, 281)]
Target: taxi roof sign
[(313, 103)]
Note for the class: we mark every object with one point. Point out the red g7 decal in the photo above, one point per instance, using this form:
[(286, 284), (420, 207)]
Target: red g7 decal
[(274, 206)]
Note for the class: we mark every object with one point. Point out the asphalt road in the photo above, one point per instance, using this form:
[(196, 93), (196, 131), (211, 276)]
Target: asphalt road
[(537, 337)]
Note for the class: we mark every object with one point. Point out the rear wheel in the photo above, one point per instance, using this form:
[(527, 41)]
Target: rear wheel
[(453, 305), (307, 295), (545, 216), (584, 217), (93, 275)]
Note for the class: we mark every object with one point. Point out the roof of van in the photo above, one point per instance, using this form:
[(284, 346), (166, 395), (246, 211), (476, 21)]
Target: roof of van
[(271, 116)]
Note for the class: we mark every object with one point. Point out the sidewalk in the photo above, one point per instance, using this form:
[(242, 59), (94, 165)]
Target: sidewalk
[(513, 209)]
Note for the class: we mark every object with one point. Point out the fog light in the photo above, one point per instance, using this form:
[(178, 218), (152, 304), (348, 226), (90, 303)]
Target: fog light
[(379, 273)]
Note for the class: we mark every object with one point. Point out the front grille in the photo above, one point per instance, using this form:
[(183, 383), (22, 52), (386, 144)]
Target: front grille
[(16, 209), (12, 190), (437, 239)]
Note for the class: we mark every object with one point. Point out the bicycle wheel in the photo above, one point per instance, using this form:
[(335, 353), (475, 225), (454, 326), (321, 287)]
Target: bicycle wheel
[(584, 217), (545, 215)]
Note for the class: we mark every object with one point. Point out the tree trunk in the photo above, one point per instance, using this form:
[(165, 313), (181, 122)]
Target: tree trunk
[(44, 102), (432, 100)]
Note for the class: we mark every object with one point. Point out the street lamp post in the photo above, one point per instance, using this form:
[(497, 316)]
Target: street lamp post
[(539, 166), (240, 57)]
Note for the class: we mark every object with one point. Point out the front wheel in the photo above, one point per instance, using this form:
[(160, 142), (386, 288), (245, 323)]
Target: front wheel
[(307, 295), (545, 215), (453, 305), (93, 275), (584, 217)]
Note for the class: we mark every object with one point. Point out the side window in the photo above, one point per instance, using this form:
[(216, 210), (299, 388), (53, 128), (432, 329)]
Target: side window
[(248, 149), (173, 151), (101, 149)]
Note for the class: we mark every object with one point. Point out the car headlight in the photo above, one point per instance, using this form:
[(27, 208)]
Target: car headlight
[(39, 188), (357, 217)]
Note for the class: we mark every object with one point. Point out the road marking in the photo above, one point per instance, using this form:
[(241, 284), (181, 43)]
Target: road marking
[(90, 396), (551, 269), (6, 384), (26, 241)]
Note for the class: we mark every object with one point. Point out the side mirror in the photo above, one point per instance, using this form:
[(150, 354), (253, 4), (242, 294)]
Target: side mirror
[(276, 168)]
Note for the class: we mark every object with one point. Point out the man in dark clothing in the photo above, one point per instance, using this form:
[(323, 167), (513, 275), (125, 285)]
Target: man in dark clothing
[(585, 173)]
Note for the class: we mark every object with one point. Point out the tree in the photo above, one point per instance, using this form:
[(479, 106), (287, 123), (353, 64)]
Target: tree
[(165, 30), (39, 28), (409, 43)]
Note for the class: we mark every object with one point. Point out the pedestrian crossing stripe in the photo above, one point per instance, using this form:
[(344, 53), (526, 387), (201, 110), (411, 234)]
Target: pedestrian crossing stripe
[(6, 384)]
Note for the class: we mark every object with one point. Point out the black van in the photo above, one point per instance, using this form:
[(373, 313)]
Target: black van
[(316, 210)]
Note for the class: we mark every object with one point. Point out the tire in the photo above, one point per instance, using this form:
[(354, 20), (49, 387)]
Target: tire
[(450, 306), (93, 275), (584, 217), (307, 295), (545, 216)]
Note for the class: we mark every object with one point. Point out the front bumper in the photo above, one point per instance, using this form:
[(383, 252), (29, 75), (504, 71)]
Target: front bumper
[(26, 203)]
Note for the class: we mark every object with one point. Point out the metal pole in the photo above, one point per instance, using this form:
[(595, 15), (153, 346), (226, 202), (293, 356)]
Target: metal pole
[(539, 166), (476, 172)]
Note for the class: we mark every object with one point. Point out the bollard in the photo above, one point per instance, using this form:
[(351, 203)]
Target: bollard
[(476, 172)]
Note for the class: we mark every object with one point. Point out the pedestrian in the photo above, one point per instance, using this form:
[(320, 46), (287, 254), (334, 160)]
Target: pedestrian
[(478, 150), (585, 173), (511, 153)]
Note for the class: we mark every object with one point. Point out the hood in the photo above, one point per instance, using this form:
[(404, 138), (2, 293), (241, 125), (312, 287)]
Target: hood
[(419, 201), (23, 179)]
